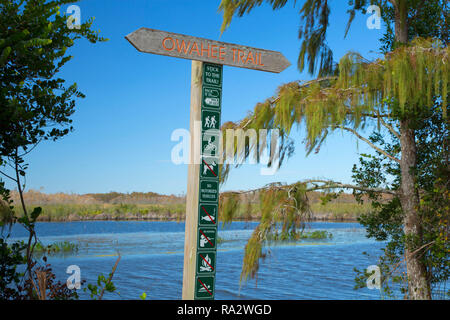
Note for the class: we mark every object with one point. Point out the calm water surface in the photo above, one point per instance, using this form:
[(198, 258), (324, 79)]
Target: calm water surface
[(152, 260)]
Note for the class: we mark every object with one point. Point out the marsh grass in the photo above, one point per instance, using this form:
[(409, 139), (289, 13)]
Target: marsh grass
[(339, 210), (298, 236), (60, 247), (70, 211), (152, 206)]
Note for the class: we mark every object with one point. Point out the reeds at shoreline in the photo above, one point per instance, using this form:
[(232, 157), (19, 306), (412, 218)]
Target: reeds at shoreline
[(153, 206)]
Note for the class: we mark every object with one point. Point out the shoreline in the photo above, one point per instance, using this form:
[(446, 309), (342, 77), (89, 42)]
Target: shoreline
[(154, 217)]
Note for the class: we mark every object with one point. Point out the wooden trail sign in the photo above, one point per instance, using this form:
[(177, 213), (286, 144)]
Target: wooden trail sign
[(193, 48), (202, 198)]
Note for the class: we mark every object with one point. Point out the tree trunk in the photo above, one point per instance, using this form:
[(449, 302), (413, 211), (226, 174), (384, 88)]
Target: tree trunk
[(401, 21), (418, 285)]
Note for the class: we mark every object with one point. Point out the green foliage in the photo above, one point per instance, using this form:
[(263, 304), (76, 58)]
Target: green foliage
[(314, 15), (363, 89), (228, 207), (55, 248), (43, 285), (404, 75), (359, 94), (284, 209), (317, 235), (12, 286), (6, 213), (428, 19), (328, 197), (11, 256), (400, 93), (36, 105), (103, 285), (385, 221), (300, 235), (253, 253)]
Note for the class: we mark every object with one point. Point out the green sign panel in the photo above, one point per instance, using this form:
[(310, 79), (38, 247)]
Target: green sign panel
[(204, 287), (210, 120), (211, 97), (209, 168), (206, 263), (209, 182), (206, 238), (207, 214), (210, 143), (209, 191), (212, 75)]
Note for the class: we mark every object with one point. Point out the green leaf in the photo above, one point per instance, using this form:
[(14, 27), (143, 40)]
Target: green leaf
[(5, 54), (24, 220), (35, 214)]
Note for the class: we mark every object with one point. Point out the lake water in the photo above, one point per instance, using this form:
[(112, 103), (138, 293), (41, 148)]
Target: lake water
[(152, 260)]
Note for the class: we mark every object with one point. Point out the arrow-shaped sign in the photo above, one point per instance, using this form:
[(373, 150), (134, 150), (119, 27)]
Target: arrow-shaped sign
[(193, 48)]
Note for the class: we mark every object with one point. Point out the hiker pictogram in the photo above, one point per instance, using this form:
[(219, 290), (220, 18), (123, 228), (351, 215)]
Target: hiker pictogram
[(211, 122)]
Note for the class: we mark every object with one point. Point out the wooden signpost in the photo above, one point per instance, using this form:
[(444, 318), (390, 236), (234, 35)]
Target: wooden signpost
[(193, 48), (202, 199)]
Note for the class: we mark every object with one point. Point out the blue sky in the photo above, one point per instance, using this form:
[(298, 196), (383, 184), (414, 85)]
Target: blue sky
[(134, 101)]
